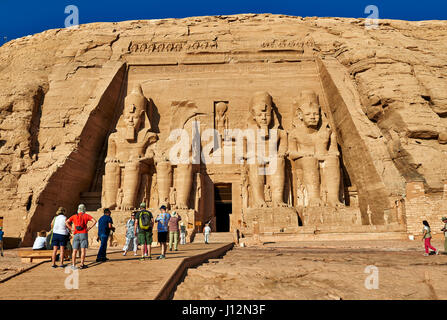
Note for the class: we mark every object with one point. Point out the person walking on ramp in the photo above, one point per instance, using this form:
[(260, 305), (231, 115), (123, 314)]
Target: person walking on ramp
[(163, 221), (426, 237), (144, 222)]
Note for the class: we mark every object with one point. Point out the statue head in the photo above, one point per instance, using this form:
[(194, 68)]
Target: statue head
[(307, 108), (134, 111), (221, 108), (261, 109)]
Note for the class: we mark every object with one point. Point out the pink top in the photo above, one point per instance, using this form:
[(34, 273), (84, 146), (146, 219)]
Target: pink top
[(173, 223)]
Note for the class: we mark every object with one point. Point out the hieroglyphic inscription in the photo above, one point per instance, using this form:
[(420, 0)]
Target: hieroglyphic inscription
[(172, 46), (283, 44)]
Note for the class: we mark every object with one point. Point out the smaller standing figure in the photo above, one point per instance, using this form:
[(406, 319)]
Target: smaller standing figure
[(221, 119), (426, 237), (206, 233), (131, 236), (182, 233)]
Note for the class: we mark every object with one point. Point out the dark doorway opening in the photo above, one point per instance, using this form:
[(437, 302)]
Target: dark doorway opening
[(223, 206)]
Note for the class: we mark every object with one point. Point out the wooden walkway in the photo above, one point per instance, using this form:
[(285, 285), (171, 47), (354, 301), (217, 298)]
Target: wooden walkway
[(119, 278)]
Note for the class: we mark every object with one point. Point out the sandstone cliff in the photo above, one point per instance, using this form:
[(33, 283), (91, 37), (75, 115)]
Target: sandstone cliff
[(60, 93)]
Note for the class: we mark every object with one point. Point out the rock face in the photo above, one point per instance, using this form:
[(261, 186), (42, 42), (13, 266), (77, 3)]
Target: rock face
[(382, 95)]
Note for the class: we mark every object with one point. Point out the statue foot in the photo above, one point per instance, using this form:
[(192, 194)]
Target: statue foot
[(279, 204), (260, 204), (182, 207), (334, 204), (315, 203), (127, 207)]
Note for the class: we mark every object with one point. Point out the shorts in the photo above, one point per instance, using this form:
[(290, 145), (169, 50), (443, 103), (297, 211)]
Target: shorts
[(59, 240), (145, 237), (80, 240), (162, 236)]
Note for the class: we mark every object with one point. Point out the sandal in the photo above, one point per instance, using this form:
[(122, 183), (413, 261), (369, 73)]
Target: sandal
[(83, 266)]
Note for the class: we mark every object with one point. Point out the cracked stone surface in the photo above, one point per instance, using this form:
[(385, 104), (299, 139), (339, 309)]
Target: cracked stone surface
[(54, 86)]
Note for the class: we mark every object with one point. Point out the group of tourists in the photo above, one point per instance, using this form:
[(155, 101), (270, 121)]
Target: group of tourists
[(139, 227)]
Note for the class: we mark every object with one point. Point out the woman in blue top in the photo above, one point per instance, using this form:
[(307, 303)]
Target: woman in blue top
[(162, 227)]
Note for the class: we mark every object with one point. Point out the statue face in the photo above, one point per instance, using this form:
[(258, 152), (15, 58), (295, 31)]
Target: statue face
[(221, 108), (132, 118), (309, 113), (262, 112)]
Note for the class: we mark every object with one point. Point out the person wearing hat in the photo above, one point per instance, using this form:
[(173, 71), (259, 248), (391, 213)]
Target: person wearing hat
[(1, 240), (173, 230), (80, 233), (59, 236), (144, 222), (444, 219), (162, 227)]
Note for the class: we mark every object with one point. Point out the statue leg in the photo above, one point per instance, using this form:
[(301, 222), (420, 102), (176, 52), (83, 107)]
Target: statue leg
[(131, 184), (332, 178), (277, 182), (111, 184), (164, 181), (257, 182), (184, 185), (311, 179)]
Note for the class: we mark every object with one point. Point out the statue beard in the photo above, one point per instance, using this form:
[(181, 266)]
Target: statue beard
[(130, 133), (265, 130)]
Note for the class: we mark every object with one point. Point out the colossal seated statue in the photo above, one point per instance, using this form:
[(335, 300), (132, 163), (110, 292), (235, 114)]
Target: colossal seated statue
[(263, 121), (129, 153), (313, 147)]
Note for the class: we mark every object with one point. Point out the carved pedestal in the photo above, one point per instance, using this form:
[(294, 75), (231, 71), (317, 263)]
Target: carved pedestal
[(344, 216), (267, 220)]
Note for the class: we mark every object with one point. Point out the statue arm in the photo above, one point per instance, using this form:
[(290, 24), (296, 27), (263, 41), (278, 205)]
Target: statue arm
[(294, 154), (111, 150), (283, 144)]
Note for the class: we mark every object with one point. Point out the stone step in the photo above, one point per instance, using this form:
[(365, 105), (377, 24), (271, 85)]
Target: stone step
[(215, 237)]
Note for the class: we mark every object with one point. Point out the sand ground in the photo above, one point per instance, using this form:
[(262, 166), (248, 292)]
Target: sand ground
[(318, 270)]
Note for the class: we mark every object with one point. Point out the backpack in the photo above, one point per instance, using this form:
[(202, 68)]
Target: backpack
[(144, 220)]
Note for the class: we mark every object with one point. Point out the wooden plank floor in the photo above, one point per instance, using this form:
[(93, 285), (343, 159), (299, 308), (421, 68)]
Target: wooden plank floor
[(120, 278)]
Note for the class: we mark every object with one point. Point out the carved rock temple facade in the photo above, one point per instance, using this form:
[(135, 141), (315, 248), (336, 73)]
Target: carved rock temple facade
[(352, 121)]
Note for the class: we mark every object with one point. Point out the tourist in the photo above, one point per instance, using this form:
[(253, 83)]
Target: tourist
[(162, 227), (80, 233), (1, 240), (144, 222), (444, 220), (182, 233), (105, 225), (59, 236), (173, 230), (131, 236), (41, 241), (206, 233), (426, 237)]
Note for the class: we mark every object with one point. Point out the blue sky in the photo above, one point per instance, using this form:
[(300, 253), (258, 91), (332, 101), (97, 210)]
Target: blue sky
[(21, 18)]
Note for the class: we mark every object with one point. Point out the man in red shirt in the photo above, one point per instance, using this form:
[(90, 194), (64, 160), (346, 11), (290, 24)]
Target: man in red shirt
[(80, 233)]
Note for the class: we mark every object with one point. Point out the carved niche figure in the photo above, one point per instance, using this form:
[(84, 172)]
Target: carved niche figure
[(221, 118), (261, 120), (313, 147), (129, 154)]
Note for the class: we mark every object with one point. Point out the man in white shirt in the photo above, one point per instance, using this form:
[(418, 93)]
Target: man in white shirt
[(206, 233)]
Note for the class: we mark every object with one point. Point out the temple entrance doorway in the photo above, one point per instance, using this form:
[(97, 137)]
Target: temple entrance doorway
[(223, 206)]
